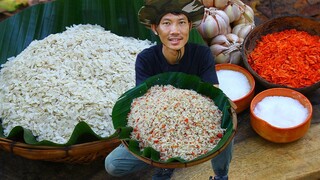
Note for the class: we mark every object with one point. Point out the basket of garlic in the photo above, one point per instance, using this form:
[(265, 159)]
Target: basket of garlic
[(224, 26)]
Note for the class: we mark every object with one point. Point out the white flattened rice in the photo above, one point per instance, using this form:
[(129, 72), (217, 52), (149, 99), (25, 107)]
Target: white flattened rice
[(176, 122), (68, 77)]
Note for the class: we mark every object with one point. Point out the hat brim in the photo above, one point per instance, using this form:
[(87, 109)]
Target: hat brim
[(149, 13)]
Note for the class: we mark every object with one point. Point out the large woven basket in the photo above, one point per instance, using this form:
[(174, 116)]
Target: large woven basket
[(190, 163), (278, 24), (75, 154)]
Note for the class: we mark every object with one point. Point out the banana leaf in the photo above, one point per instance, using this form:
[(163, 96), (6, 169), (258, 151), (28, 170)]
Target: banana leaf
[(180, 80), (39, 21)]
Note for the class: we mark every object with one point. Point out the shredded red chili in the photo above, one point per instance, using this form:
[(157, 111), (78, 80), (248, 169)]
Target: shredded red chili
[(289, 57)]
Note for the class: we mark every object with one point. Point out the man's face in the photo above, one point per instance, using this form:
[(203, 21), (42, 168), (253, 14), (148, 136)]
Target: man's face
[(173, 30)]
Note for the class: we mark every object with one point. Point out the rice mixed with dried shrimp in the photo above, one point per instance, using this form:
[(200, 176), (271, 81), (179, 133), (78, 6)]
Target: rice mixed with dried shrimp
[(175, 122)]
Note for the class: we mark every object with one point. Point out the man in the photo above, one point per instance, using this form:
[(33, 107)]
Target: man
[(172, 21)]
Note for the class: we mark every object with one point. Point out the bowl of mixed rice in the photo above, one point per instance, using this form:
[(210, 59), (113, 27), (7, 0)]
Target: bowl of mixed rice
[(174, 120)]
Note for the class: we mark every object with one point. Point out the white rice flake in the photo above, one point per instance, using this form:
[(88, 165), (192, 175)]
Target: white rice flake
[(233, 83), (68, 77), (280, 111), (175, 122)]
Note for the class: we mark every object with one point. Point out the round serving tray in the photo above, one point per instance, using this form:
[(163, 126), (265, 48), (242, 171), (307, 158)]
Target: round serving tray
[(190, 163)]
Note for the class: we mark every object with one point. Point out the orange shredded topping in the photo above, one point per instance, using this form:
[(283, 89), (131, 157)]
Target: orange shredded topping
[(289, 57)]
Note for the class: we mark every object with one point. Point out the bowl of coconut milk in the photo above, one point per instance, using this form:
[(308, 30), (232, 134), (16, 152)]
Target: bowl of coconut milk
[(280, 115)]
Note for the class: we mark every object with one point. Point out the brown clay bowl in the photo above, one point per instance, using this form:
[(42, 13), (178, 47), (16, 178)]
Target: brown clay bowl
[(277, 134), (243, 102)]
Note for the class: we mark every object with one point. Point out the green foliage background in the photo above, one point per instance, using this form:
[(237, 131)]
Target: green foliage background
[(39, 21)]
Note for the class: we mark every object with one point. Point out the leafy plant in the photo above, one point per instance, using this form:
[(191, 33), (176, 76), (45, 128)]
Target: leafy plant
[(11, 5)]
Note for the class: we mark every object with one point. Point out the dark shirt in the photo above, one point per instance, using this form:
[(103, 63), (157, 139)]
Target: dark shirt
[(197, 60)]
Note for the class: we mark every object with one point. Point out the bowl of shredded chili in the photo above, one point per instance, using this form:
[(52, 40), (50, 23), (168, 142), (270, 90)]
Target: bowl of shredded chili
[(284, 52)]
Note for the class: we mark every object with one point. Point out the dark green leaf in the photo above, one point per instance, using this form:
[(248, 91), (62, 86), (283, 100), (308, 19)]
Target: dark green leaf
[(82, 133)]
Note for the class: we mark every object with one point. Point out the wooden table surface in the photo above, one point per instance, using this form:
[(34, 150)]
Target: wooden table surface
[(257, 158), (253, 158)]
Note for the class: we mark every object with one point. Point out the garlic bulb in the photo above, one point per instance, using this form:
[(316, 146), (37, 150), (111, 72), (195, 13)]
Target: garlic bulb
[(226, 48), (214, 22), (242, 30), (235, 57), (246, 17), (234, 12), (224, 26), (214, 3), (220, 39), (234, 38), (217, 49)]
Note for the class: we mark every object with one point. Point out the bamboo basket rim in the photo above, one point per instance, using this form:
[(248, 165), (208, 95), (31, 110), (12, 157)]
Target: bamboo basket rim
[(191, 163), (83, 153)]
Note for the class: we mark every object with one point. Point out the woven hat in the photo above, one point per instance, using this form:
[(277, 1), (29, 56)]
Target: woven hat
[(153, 10)]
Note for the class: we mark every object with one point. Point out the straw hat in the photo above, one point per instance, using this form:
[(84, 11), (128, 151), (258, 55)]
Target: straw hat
[(153, 10)]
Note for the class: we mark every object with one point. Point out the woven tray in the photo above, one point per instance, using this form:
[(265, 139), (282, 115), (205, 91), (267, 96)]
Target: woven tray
[(75, 154), (190, 163)]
